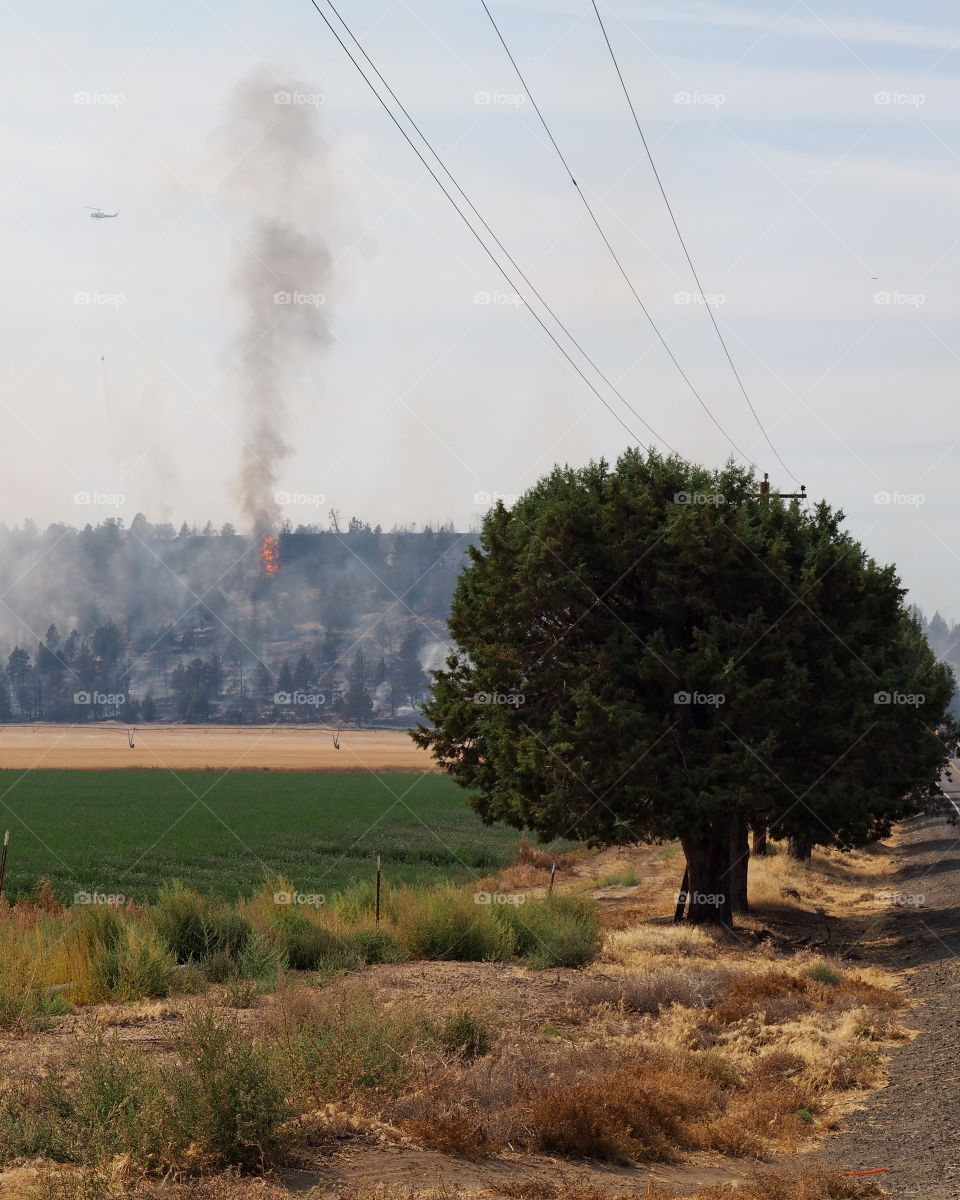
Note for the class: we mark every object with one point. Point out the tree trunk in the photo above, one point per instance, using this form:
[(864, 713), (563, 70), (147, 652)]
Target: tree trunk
[(682, 897), (739, 863), (759, 841), (800, 847), (708, 864)]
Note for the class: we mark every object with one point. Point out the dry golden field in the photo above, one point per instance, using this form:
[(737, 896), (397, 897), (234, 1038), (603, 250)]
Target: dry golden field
[(105, 746)]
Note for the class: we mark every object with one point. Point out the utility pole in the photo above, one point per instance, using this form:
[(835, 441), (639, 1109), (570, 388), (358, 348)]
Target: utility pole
[(765, 493), (759, 833)]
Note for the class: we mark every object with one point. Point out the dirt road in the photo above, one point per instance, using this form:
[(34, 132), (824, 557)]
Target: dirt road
[(913, 1125)]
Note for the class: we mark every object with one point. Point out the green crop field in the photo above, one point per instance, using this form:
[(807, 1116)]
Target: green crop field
[(126, 832)]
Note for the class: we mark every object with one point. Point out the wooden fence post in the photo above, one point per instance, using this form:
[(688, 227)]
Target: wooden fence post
[(3, 857)]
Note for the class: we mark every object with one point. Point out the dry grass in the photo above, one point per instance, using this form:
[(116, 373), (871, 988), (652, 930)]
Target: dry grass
[(740, 1059), (64, 1183), (839, 883), (764, 1050), (521, 876), (626, 1107), (529, 855), (654, 991), (646, 946), (808, 1185), (640, 1112), (813, 1185), (676, 1040)]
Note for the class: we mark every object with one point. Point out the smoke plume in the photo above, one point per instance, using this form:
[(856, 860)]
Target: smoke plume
[(278, 192)]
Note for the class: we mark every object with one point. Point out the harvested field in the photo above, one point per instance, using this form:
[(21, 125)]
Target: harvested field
[(104, 746)]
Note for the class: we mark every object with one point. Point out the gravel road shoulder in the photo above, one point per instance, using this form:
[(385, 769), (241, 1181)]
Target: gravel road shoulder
[(912, 1126)]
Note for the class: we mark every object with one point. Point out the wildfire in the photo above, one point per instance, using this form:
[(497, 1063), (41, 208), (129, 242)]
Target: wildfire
[(270, 556)]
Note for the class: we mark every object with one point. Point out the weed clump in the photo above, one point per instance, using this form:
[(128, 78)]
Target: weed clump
[(561, 931), (821, 973), (220, 1103), (448, 924), (466, 1033), (343, 1044), (195, 928), (376, 944)]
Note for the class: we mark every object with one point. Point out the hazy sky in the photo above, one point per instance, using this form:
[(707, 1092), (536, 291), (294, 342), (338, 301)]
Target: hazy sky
[(811, 151)]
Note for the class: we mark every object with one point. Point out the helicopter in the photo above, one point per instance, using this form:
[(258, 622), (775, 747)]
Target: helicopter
[(99, 215)]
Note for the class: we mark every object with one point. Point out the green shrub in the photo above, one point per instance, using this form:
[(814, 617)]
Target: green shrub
[(226, 1098), (228, 931), (821, 973), (311, 946), (220, 1103), (25, 1007), (99, 925), (128, 960), (194, 928), (143, 966), (218, 967), (358, 901), (111, 1103), (342, 1043), (263, 958), (625, 877), (376, 944), (241, 993), (446, 923), (31, 1123), (465, 1032), (560, 931), (96, 1116), (180, 917)]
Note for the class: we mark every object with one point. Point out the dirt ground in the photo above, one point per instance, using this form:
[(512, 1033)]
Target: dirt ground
[(910, 1126), (105, 746)]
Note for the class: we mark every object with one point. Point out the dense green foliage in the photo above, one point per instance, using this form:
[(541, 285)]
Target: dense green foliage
[(655, 651)]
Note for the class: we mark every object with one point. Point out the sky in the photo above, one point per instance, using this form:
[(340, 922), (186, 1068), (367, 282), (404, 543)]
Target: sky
[(811, 152)]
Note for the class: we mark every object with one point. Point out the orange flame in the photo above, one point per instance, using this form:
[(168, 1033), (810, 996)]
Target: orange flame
[(270, 556)]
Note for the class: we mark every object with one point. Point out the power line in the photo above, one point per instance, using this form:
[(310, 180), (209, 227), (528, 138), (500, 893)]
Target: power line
[(478, 236), (606, 240), (693, 269), (473, 208)]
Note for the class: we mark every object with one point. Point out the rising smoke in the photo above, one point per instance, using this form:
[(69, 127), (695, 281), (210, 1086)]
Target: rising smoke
[(277, 192)]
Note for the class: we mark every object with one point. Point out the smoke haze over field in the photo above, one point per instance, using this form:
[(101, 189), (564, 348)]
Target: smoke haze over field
[(810, 162), (282, 269)]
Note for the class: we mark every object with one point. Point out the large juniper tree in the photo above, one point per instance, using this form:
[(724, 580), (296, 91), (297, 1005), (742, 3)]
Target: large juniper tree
[(656, 651)]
